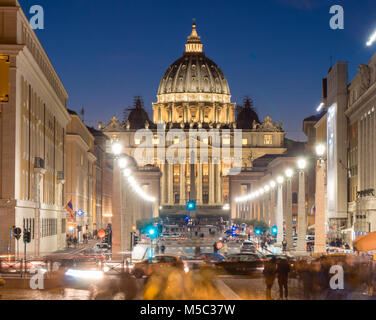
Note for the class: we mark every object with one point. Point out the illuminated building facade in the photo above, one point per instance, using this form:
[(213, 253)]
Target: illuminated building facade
[(33, 120), (194, 95)]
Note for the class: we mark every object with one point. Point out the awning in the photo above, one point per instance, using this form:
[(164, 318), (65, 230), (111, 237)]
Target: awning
[(366, 242)]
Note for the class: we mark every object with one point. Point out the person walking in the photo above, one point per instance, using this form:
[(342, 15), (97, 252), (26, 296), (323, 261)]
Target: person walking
[(306, 277), (284, 245), (163, 249), (283, 270), (270, 271)]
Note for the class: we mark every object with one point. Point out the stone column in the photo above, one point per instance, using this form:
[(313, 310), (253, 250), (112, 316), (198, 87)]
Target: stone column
[(218, 183), (272, 215), (288, 217), (117, 196), (279, 214), (38, 174), (182, 185), (199, 183), (170, 184), (163, 184), (302, 223), (320, 218), (211, 183)]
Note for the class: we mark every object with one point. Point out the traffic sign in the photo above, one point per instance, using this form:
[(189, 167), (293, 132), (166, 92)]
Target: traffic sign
[(219, 245), (101, 234)]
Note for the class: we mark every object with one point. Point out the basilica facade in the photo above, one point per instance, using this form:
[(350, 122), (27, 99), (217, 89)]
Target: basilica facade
[(194, 95)]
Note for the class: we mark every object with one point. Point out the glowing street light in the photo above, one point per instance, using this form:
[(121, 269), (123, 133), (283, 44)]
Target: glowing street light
[(280, 179), (127, 172), (122, 162), (261, 191), (289, 173), (266, 188), (320, 150), (117, 148), (302, 163), (272, 184)]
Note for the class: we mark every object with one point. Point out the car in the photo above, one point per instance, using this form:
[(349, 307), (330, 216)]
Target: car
[(251, 264), (248, 246), (149, 266)]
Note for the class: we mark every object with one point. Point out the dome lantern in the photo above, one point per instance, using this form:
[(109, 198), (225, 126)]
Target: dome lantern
[(193, 44)]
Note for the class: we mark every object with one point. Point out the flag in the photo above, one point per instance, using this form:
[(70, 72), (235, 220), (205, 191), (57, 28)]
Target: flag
[(69, 208)]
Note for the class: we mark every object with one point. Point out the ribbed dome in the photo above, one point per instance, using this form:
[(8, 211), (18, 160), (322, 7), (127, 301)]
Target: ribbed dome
[(194, 73)]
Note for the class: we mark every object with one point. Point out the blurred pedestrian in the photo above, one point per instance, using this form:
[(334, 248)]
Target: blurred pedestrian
[(283, 270), (284, 245), (215, 249), (197, 250), (305, 276), (270, 271), (163, 249)]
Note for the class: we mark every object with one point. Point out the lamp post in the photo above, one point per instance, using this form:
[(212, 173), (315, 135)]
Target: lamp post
[(320, 232), (288, 218), (302, 221), (279, 213)]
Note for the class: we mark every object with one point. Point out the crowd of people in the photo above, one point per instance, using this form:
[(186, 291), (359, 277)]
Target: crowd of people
[(351, 277), (72, 240)]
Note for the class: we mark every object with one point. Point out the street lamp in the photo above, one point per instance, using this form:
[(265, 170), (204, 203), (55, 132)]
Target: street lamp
[(302, 163), (280, 179), (320, 150), (289, 173), (117, 148), (122, 162), (127, 172), (272, 184), (266, 188)]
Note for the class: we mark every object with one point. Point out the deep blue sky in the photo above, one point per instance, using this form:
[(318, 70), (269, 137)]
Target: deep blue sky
[(276, 51)]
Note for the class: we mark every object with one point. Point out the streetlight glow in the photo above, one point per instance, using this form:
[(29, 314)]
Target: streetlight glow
[(266, 188), (122, 162), (289, 173), (261, 191), (272, 184), (320, 150), (117, 148), (302, 163), (127, 173), (280, 179)]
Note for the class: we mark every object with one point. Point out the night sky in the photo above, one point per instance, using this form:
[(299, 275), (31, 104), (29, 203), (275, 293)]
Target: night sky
[(276, 51)]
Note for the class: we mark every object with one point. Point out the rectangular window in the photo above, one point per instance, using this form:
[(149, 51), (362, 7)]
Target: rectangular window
[(244, 142), (268, 139), (226, 140), (137, 142), (63, 226)]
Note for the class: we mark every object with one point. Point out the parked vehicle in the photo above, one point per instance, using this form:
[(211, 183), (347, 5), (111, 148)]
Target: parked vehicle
[(149, 266), (251, 264), (248, 246)]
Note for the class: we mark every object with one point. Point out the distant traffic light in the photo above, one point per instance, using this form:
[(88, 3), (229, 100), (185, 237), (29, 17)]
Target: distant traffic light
[(191, 205), (27, 236), (135, 239), (274, 230), (257, 231)]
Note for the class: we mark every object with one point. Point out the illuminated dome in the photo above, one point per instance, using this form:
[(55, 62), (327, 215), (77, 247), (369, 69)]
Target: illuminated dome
[(194, 77)]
